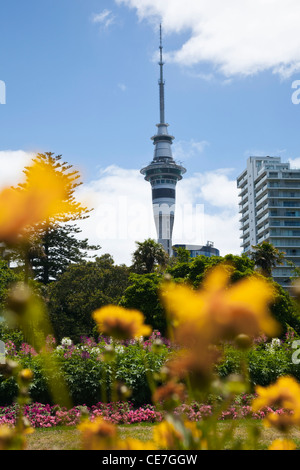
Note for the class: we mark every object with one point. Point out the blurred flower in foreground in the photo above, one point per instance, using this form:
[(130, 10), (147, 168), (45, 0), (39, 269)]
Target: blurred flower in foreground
[(135, 444), (102, 435), (285, 393), (121, 323), (218, 310), (12, 438), (42, 196), (7, 435), (282, 444), (98, 435), (177, 435), (171, 394), (196, 363)]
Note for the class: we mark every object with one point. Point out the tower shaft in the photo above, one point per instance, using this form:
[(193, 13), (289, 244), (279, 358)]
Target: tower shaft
[(163, 172)]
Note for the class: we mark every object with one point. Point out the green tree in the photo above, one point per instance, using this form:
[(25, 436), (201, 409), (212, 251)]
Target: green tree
[(148, 256), (80, 290), (285, 309), (194, 271), (143, 294), (7, 278), (266, 257), (58, 247), (47, 248), (182, 255), (143, 291)]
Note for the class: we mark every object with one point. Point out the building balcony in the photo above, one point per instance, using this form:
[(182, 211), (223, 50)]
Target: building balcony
[(262, 229), (260, 220), (244, 216), (261, 191), (260, 202), (262, 210), (243, 191)]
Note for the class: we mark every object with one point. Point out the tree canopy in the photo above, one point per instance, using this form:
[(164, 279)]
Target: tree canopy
[(148, 256), (266, 257), (81, 289)]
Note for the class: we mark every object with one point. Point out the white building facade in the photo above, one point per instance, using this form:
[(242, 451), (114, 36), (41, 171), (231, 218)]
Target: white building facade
[(270, 210)]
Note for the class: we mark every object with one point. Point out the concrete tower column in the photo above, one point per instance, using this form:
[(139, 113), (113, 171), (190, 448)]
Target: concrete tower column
[(163, 172)]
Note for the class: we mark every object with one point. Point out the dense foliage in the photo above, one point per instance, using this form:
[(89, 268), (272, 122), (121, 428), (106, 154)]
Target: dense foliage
[(81, 289), (88, 376)]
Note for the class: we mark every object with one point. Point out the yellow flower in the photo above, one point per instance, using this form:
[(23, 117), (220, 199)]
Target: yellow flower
[(220, 311), (98, 435), (45, 194), (166, 436), (136, 444), (284, 394), (26, 375), (173, 435), (192, 427), (282, 444), (7, 436), (121, 323)]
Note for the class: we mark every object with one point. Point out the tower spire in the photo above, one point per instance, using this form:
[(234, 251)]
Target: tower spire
[(163, 172), (161, 81)]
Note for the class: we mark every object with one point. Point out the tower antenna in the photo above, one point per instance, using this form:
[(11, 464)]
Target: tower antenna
[(161, 81)]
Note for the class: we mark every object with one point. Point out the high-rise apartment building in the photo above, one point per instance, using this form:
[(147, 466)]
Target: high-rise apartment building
[(270, 210), (163, 173)]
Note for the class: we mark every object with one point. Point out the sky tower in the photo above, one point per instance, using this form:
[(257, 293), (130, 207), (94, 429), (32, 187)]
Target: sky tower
[(163, 173)]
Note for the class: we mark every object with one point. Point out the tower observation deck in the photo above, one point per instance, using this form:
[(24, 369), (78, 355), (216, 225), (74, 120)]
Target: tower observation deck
[(163, 172)]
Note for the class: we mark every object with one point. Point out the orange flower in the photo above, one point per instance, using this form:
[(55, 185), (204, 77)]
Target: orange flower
[(121, 323), (219, 311), (196, 363), (171, 393)]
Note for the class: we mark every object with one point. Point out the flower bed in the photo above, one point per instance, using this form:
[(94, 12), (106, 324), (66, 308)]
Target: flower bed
[(46, 416)]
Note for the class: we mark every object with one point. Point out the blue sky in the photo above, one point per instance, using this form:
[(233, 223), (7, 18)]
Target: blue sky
[(81, 80)]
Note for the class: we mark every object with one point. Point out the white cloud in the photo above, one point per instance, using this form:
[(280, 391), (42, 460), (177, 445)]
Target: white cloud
[(122, 86), (238, 37), (295, 163), (183, 150), (105, 18), (206, 209), (12, 163)]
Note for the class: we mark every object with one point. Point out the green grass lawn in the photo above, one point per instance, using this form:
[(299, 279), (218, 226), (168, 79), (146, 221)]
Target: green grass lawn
[(68, 438)]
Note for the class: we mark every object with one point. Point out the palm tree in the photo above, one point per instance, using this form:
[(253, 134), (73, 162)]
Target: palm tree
[(266, 257), (148, 256)]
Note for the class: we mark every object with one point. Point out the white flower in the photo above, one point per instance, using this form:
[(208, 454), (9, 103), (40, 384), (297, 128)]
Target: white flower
[(66, 342), (275, 344), (96, 350)]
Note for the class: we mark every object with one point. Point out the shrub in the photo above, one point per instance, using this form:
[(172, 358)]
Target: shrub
[(89, 378)]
